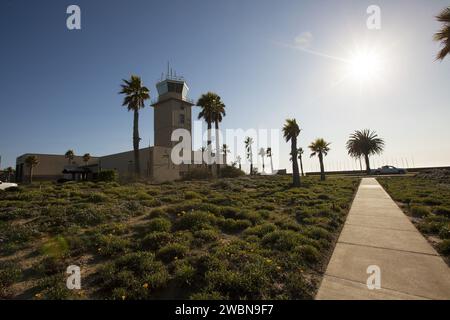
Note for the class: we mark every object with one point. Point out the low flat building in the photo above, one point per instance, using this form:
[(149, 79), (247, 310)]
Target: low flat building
[(172, 110)]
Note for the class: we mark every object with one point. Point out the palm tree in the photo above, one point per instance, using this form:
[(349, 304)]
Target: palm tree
[(238, 160), (225, 150), (209, 102), (10, 171), (262, 153), (86, 158), (364, 143), (443, 35), (300, 159), (291, 131), (248, 148), (70, 155), (320, 148), (269, 155), (135, 96), (219, 113), (31, 162)]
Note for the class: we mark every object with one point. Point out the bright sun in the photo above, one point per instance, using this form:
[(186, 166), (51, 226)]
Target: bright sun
[(365, 66)]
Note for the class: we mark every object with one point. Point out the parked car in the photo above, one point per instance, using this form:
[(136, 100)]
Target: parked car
[(6, 185), (389, 170)]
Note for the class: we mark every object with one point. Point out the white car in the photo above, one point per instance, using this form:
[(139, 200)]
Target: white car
[(6, 185)]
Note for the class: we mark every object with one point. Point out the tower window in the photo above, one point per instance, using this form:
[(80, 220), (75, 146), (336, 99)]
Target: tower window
[(182, 119)]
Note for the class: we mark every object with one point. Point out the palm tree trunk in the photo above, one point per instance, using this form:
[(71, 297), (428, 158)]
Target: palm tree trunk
[(271, 164), (366, 156), (31, 174), (322, 169), (263, 164), (209, 146), (136, 139), (301, 165), (218, 161), (295, 174)]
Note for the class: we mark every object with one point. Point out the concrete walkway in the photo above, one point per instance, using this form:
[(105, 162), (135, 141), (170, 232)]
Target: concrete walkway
[(378, 233)]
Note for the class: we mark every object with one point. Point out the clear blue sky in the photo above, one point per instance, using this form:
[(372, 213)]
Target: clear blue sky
[(59, 87)]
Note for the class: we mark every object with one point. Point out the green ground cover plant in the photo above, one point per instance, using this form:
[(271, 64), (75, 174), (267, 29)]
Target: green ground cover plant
[(426, 199), (234, 238)]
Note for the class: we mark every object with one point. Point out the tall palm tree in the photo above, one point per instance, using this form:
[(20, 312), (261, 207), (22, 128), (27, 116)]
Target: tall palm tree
[(300, 159), (225, 150), (10, 171), (238, 160), (291, 131), (248, 148), (443, 35), (209, 103), (320, 148), (70, 155), (31, 162), (364, 143), (269, 155), (86, 158), (262, 153), (219, 113), (135, 95)]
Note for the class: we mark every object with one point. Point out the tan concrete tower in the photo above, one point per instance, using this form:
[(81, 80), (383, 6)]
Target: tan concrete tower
[(172, 109)]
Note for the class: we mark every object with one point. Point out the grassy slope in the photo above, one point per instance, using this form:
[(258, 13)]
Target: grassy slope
[(242, 238), (427, 202)]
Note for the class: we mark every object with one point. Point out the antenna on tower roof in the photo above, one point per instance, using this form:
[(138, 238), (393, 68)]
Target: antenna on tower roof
[(168, 67)]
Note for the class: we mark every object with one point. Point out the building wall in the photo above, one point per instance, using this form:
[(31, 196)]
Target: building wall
[(123, 163), (167, 118), (50, 166)]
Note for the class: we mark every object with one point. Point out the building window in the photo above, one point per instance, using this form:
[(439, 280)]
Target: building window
[(182, 118)]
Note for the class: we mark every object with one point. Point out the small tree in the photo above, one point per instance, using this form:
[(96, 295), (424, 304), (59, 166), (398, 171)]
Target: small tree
[(239, 160), (291, 131), (10, 171), (70, 155), (31, 162), (248, 148), (86, 158), (300, 159), (262, 153), (269, 155), (320, 148)]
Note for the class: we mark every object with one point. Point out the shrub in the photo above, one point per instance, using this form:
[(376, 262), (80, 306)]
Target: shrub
[(308, 253), (56, 247), (157, 213), (159, 224), (9, 274), (196, 220), (442, 211), (107, 176), (111, 245), (205, 236), (419, 211), (202, 173), (284, 240), (97, 197), (261, 229), (53, 288), (133, 276), (171, 252), (188, 195), (444, 247), (231, 225), (156, 240), (231, 172), (184, 273)]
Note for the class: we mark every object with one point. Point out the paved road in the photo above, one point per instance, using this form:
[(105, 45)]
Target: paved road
[(377, 233)]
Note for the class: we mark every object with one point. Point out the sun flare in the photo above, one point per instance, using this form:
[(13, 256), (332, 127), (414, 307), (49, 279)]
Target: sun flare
[(365, 65)]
